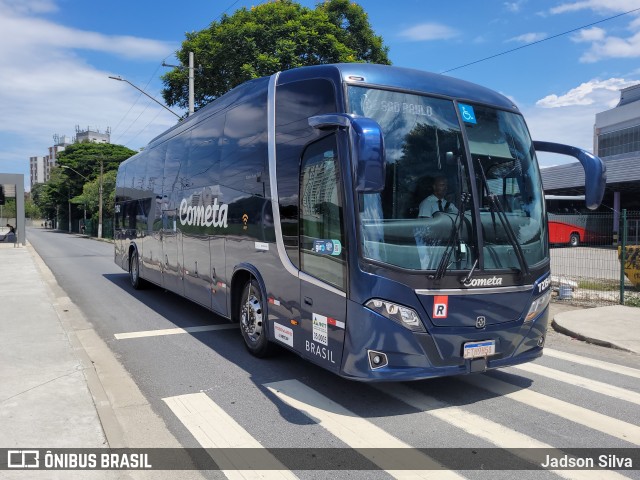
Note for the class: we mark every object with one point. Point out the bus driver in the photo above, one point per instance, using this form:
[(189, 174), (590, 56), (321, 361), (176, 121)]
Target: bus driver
[(437, 202)]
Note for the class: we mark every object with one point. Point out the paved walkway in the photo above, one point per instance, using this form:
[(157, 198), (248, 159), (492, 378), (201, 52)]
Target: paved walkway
[(60, 385)]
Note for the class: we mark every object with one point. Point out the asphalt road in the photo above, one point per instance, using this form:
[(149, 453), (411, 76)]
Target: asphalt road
[(588, 400)]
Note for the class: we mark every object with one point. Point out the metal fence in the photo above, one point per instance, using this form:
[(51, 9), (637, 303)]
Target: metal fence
[(91, 228), (593, 273)]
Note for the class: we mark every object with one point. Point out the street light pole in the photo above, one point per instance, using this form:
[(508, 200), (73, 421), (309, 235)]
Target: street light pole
[(191, 84), (120, 79)]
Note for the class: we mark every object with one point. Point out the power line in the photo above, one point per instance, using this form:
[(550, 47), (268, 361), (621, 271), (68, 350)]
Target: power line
[(539, 41)]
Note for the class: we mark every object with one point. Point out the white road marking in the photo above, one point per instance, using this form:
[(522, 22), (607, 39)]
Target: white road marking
[(174, 331), (582, 416), (480, 427), (213, 428), (353, 430), (611, 367), (582, 382)]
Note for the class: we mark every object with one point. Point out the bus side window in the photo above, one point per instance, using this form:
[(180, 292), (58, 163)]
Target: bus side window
[(322, 238)]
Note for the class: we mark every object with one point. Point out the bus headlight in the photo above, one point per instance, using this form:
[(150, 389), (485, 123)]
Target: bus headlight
[(405, 316), (538, 305)]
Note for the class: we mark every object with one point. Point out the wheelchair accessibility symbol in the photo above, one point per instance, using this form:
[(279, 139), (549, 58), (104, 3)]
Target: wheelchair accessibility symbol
[(467, 113)]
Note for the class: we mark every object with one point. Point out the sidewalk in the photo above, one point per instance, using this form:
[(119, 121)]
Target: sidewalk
[(617, 326), (60, 385)]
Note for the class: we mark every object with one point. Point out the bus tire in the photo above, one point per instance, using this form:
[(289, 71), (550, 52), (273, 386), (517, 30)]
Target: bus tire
[(574, 239), (134, 271), (253, 320)]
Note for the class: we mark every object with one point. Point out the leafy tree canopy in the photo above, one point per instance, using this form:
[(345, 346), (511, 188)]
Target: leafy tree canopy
[(65, 184), (271, 37), (85, 158)]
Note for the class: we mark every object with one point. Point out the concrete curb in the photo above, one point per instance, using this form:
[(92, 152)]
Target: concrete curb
[(585, 338)]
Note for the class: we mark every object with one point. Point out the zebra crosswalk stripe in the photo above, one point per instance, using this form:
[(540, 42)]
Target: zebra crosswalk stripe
[(582, 416), (587, 383), (591, 362), (213, 428), (480, 427), (353, 430)]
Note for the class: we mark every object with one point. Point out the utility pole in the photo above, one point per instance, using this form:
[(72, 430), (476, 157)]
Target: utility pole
[(100, 201), (191, 84), (191, 81)]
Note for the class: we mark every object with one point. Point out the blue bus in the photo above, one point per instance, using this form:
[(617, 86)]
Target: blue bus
[(301, 206)]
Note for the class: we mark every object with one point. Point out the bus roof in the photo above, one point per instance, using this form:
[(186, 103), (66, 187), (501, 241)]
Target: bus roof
[(357, 73), (405, 79)]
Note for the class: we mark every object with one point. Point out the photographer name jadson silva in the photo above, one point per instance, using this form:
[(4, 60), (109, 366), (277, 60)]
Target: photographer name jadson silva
[(604, 461)]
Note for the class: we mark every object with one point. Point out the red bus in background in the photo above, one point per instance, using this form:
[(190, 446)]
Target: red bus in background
[(571, 223)]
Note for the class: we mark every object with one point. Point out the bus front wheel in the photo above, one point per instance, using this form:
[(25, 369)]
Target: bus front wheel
[(134, 271), (574, 240), (253, 320)]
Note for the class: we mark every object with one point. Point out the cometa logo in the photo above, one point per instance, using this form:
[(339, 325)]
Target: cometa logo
[(484, 282), (211, 215)]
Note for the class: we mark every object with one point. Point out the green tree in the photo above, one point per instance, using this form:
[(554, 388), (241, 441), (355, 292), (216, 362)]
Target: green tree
[(90, 196), (273, 36), (65, 184), (85, 158)]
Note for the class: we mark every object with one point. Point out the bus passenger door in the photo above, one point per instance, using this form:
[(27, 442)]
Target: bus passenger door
[(322, 254)]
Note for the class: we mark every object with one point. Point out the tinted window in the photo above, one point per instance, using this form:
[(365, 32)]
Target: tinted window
[(244, 162), (175, 165), (295, 103), (204, 153)]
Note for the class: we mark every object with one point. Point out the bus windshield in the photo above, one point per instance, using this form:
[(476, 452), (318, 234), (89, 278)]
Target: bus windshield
[(426, 211)]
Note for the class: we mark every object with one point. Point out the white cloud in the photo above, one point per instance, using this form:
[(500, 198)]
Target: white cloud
[(569, 118), (529, 37), (602, 6), (514, 7), (603, 47), (593, 34), (27, 6), (21, 32), (613, 47), (429, 31), (47, 84), (601, 92)]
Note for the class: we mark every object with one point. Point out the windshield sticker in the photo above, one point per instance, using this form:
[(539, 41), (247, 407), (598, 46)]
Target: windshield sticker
[(440, 306), (467, 113), (327, 247)]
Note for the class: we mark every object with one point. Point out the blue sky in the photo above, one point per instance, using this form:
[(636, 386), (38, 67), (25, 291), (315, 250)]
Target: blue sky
[(56, 56)]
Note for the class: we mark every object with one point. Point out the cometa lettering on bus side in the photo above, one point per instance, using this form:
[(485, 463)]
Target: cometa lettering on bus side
[(484, 282), (211, 215)]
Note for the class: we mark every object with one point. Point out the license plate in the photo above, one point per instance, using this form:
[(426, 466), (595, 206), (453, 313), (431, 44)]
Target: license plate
[(479, 349)]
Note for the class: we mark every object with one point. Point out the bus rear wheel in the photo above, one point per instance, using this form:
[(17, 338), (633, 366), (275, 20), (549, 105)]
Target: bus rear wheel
[(253, 320), (574, 240)]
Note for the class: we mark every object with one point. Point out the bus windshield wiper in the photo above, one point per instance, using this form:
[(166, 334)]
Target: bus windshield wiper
[(496, 207), (454, 236)]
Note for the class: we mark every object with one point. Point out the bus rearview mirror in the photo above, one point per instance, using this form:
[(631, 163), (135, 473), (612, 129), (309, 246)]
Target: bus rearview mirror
[(367, 142), (595, 171)]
